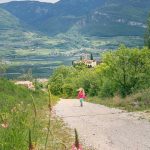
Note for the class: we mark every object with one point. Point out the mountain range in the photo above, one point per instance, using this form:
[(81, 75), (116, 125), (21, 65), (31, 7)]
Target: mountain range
[(88, 17)]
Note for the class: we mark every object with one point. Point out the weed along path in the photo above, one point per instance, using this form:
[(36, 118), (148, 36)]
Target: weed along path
[(103, 128)]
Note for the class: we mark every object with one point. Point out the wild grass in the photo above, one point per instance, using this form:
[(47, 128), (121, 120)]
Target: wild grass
[(139, 101), (26, 122)]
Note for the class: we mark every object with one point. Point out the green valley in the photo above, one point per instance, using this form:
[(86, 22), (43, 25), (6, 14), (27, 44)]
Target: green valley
[(52, 39), (24, 50)]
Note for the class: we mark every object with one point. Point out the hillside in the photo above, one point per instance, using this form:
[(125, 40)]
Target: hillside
[(22, 111), (7, 20), (15, 114), (96, 17), (117, 18), (10, 30), (21, 48)]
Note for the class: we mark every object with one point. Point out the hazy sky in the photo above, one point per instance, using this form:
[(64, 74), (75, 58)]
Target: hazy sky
[(50, 1)]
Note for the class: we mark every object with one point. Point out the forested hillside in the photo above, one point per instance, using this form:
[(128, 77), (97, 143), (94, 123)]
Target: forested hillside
[(7, 20), (96, 17)]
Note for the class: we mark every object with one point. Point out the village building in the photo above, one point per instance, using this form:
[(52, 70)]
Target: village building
[(27, 84), (90, 63)]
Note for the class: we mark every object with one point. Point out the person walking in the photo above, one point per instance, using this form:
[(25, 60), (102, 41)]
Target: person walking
[(81, 96)]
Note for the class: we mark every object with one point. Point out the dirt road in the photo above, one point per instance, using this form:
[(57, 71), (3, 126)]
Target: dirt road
[(104, 128)]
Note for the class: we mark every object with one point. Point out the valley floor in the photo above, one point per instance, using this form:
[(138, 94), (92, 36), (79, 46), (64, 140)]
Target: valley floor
[(100, 127)]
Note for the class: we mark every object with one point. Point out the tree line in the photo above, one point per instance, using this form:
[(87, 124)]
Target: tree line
[(147, 33)]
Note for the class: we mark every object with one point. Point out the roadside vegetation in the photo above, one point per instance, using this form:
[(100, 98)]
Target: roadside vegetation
[(26, 121), (139, 101)]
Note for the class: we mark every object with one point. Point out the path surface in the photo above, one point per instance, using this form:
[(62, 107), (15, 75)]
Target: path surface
[(103, 128)]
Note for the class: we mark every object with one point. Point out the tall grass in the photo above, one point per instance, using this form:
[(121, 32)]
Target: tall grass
[(25, 120), (138, 101)]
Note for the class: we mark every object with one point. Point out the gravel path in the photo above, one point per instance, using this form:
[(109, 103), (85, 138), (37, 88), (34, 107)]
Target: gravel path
[(104, 128)]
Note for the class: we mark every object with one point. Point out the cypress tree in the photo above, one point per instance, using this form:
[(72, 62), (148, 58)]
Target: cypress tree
[(91, 57), (147, 34)]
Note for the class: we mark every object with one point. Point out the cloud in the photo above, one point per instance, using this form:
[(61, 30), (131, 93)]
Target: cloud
[(48, 1)]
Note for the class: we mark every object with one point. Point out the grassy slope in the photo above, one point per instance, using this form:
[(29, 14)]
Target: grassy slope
[(17, 110), (139, 101)]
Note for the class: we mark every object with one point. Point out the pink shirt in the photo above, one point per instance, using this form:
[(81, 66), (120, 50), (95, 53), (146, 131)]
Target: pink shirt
[(81, 94)]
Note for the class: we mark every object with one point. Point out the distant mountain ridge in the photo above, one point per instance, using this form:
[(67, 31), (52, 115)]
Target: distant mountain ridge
[(89, 17), (7, 20)]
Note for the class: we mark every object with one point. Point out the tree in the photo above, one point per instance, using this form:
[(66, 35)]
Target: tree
[(73, 63), (3, 68), (81, 58), (91, 56), (128, 69), (147, 34), (57, 80), (80, 66), (27, 75), (56, 84)]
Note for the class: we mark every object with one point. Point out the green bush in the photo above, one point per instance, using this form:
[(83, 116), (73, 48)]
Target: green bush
[(107, 89), (68, 89)]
